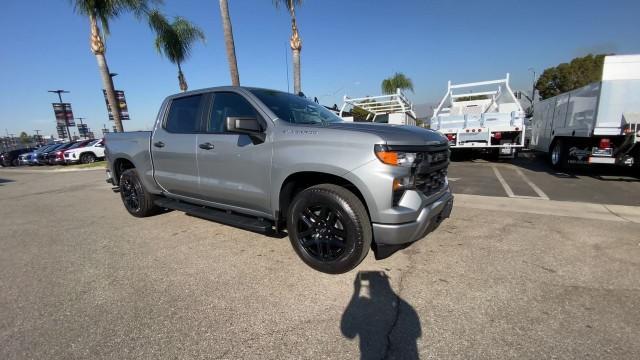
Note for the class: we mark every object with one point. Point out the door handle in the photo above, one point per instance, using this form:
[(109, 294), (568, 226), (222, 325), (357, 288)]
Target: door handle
[(206, 146), (158, 144)]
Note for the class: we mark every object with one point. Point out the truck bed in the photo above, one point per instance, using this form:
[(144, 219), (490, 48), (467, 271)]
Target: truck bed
[(135, 147)]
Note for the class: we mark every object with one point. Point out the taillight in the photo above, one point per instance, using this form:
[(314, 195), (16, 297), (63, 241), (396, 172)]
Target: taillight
[(497, 135), (605, 143), (451, 137)]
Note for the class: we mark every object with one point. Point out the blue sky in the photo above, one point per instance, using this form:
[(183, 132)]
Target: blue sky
[(348, 48)]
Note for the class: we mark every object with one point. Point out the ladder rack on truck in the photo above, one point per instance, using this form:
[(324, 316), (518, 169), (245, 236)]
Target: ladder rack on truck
[(391, 109), (487, 116)]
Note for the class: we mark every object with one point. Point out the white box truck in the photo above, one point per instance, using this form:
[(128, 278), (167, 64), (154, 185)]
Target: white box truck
[(481, 115), (594, 124)]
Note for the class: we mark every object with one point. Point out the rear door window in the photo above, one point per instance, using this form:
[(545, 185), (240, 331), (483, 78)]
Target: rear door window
[(184, 115)]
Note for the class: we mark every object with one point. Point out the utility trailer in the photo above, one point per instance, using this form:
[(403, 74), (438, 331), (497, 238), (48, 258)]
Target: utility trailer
[(596, 124), (390, 109), (481, 115)]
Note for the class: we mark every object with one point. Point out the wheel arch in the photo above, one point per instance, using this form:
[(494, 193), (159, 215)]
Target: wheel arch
[(298, 181), (119, 166)]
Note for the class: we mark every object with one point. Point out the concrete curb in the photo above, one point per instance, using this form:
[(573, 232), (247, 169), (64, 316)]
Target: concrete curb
[(619, 213)]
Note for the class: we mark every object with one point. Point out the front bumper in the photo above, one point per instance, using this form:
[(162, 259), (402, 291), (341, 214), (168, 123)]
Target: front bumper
[(429, 217)]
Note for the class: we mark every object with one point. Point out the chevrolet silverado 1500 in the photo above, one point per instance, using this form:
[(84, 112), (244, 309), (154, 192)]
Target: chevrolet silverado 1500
[(267, 161)]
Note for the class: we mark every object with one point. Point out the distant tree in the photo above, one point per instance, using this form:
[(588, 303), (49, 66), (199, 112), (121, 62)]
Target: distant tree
[(359, 113), (25, 138), (100, 13), (565, 77), (397, 81), (174, 40)]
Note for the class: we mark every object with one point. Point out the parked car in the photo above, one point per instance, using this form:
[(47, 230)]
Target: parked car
[(85, 154), (32, 157), (56, 156), (27, 158), (42, 158), (267, 160), (11, 158)]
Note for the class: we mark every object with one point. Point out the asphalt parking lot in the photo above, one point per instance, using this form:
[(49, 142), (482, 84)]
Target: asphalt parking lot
[(529, 176), (509, 275)]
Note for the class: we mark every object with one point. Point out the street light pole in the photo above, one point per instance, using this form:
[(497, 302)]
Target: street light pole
[(59, 92), (533, 86)]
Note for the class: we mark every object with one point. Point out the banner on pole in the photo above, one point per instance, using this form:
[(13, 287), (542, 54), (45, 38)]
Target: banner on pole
[(122, 105), (64, 114)]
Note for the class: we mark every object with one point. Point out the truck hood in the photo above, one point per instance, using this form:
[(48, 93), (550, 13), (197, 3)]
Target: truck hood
[(394, 134)]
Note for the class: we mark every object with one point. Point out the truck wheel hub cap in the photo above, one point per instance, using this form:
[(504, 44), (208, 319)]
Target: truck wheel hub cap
[(321, 232)]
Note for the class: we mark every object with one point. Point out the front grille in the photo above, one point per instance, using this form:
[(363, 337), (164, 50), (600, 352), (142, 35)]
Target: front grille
[(431, 171)]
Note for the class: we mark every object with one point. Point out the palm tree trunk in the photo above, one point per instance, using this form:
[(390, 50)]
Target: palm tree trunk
[(229, 43), (181, 80), (297, 88), (98, 49), (296, 48)]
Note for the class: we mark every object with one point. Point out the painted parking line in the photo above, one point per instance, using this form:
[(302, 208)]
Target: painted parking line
[(509, 191), (533, 186), (504, 184)]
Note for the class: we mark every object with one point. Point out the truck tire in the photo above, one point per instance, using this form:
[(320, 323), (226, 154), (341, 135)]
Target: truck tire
[(558, 155), (329, 228), (135, 198)]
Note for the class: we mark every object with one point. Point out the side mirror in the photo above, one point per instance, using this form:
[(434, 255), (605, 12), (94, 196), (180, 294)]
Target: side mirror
[(245, 125)]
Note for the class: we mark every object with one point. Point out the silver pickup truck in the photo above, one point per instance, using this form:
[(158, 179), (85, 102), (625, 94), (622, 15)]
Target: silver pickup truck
[(267, 161)]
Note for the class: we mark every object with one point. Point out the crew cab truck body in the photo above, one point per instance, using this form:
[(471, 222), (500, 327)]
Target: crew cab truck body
[(265, 160), (596, 124)]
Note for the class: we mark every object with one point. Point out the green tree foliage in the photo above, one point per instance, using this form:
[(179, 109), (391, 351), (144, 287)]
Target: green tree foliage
[(25, 138), (174, 40), (397, 81), (359, 113), (565, 77)]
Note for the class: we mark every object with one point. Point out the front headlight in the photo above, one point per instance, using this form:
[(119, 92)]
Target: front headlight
[(394, 158)]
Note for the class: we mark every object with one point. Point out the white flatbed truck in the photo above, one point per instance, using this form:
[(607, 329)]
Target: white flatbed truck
[(596, 124), (481, 115)]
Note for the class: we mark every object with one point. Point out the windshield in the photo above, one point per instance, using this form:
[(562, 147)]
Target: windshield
[(295, 109), (77, 145)]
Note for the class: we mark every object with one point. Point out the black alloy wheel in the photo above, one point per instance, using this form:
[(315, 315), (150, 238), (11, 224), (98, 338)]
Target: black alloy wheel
[(130, 195), (329, 228), (135, 198), (321, 232)]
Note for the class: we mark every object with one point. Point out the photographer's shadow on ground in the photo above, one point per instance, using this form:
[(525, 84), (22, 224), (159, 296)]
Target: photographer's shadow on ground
[(386, 325)]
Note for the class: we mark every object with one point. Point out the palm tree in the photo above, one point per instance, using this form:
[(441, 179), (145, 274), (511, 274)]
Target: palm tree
[(295, 42), (397, 81), (228, 41), (174, 40), (103, 11)]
